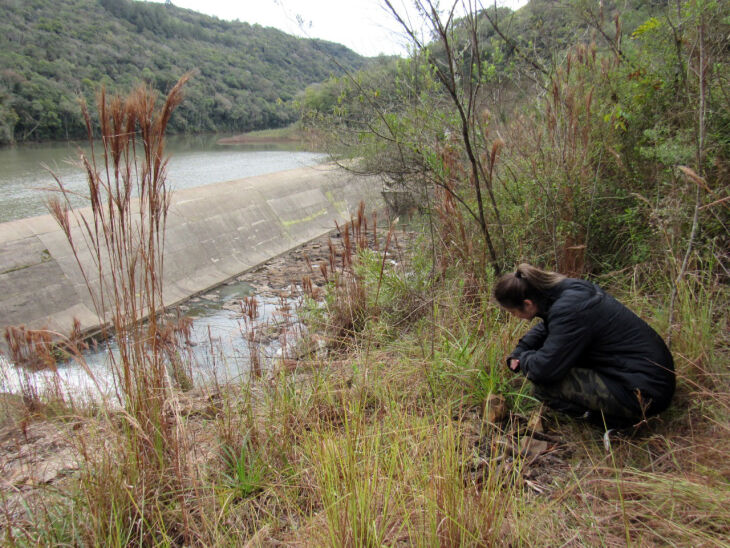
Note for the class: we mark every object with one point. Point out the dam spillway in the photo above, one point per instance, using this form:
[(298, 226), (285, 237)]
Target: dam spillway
[(213, 233)]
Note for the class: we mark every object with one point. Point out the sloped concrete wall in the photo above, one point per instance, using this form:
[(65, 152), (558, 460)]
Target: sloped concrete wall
[(214, 232)]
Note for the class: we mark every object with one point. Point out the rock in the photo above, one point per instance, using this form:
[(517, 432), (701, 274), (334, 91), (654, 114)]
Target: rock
[(534, 424), (233, 306), (495, 408), (12, 409), (310, 346), (530, 447), (13, 476), (46, 474)]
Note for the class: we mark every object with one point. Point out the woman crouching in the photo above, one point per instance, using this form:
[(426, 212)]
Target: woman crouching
[(590, 356)]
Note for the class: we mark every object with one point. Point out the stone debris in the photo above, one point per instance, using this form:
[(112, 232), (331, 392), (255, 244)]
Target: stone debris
[(233, 306), (530, 447), (495, 408), (507, 441), (534, 423), (36, 454)]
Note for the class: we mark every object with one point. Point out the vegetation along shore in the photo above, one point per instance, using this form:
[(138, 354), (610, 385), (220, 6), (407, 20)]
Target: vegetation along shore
[(592, 139)]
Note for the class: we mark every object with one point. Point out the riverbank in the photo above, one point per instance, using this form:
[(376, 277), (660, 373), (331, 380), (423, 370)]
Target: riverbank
[(409, 431), (308, 139), (213, 233), (35, 452), (39, 448)]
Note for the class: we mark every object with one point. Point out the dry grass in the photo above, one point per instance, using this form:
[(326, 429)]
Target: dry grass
[(388, 446)]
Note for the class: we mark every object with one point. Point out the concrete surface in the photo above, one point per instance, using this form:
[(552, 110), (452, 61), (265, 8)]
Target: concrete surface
[(214, 232)]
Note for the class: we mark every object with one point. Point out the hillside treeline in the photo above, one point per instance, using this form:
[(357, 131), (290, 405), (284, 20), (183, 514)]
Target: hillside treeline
[(53, 52)]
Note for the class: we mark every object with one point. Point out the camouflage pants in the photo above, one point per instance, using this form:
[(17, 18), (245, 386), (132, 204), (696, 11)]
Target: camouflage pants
[(584, 390)]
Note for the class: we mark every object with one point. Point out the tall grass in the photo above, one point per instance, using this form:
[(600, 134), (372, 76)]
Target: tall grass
[(144, 470), (385, 443)]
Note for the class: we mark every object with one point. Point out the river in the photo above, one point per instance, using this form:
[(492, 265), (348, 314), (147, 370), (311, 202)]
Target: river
[(218, 332), (194, 161), (219, 351)]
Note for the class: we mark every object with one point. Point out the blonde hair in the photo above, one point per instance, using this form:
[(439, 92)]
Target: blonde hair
[(527, 282)]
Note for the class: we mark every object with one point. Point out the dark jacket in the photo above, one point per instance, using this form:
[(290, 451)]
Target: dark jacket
[(583, 326)]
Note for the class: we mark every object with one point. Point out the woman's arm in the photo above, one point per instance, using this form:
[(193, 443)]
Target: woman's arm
[(532, 340), (562, 348)]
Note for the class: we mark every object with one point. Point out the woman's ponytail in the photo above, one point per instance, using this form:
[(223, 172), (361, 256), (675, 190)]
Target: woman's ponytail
[(541, 280), (527, 282)]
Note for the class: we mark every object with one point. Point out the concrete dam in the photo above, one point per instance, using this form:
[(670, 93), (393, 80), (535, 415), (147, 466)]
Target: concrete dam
[(214, 232)]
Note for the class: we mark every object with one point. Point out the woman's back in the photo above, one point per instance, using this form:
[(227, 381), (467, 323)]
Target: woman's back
[(614, 341)]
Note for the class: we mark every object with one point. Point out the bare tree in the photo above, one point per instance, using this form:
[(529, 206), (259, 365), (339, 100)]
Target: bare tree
[(459, 70)]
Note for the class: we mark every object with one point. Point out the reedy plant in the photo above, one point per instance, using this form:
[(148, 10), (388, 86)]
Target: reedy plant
[(123, 236), (118, 243), (552, 167)]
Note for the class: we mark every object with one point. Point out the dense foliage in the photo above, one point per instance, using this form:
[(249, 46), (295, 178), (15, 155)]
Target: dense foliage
[(52, 52), (600, 147)]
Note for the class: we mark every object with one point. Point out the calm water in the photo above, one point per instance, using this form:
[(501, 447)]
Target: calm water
[(194, 161)]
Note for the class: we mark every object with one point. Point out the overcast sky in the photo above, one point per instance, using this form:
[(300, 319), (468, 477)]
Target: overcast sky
[(362, 25)]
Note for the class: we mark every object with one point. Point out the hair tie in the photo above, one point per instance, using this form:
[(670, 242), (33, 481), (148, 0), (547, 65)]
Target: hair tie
[(518, 274)]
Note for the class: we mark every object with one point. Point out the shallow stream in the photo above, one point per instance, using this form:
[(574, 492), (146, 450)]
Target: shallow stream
[(219, 350)]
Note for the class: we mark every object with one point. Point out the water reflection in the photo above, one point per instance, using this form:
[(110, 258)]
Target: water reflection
[(194, 161), (219, 349)]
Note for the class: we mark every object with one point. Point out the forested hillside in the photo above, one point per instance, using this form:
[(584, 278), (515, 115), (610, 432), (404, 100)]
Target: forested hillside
[(516, 51), (53, 51)]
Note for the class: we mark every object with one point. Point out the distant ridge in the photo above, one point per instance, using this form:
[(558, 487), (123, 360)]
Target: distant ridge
[(53, 51)]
